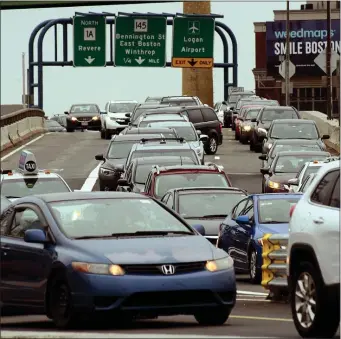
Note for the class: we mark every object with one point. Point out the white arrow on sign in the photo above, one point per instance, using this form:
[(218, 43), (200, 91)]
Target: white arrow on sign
[(139, 60), (89, 60)]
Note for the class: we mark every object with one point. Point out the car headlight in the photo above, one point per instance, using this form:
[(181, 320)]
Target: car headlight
[(273, 184), (85, 267), (261, 130), (74, 119), (219, 265), (106, 171), (246, 128), (95, 118)]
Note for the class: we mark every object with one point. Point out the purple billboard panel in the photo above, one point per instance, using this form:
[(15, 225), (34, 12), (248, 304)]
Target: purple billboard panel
[(308, 39)]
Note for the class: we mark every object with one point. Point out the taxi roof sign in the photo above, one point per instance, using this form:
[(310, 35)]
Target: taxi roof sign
[(28, 163)]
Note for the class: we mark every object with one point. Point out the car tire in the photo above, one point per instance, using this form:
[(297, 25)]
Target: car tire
[(252, 147), (70, 130), (107, 134), (60, 305), (212, 145), (233, 127), (102, 134), (308, 288), (213, 317), (254, 273), (236, 136)]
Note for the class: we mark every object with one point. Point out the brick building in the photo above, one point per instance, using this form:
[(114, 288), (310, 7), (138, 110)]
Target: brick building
[(308, 84)]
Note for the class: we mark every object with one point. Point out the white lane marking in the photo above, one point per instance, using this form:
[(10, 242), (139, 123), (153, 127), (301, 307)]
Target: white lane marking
[(252, 293), (216, 158), (23, 146), (90, 181), (51, 334)]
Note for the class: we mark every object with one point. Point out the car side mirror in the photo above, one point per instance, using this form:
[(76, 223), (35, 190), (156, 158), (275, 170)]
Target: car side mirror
[(224, 103), (199, 228), (66, 113), (198, 132), (203, 138), (99, 157), (293, 182), (35, 236), (123, 182), (128, 115), (253, 120), (102, 113), (262, 157), (243, 219), (325, 136), (264, 170)]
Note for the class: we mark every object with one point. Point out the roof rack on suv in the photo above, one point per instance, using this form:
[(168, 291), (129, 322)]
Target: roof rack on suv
[(162, 139), (332, 158), (212, 164), (157, 167)]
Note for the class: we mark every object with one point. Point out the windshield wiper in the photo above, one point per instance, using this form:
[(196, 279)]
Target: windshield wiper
[(93, 237), (214, 216), (12, 197), (144, 233)]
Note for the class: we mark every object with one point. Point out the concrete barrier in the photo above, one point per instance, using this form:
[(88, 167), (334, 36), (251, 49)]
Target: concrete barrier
[(330, 127), (21, 125)]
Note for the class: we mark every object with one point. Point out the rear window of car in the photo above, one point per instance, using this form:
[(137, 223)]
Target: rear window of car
[(277, 113), (84, 109), (209, 114), (275, 211)]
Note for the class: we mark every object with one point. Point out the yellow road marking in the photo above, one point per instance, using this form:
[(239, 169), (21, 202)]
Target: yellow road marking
[(259, 318)]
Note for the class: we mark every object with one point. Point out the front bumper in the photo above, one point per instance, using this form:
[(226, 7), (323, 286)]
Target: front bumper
[(246, 134), (89, 124), (154, 294), (228, 117), (116, 125), (109, 182)]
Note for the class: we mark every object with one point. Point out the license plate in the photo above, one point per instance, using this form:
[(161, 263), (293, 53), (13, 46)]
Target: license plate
[(84, 123)]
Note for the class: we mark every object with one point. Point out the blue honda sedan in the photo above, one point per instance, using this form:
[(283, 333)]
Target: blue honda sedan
[(78, 254), (241, 233)]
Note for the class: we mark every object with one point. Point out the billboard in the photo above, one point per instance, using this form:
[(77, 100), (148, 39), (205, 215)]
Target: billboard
[(308, 39)]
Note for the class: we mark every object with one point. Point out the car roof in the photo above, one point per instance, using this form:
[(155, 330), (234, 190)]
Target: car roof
[(284, 108), (163, 116), (156, 130), (180, 97), (165, 109), (268, 196), (151, 105), (85, 104), (186, 190), (165, 158), (174, 123), (183, 168), (293, 121), (134, 137), (122, 102), (294, 142), (69, 196), (155, 145), (303, 153)]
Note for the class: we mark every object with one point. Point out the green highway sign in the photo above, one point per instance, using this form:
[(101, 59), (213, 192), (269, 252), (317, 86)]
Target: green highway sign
[(89, 41), (140, 41), (193, 44)]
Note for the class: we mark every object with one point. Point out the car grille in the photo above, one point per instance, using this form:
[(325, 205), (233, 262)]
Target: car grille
[(171, 298), (84, 119), (156, 269)]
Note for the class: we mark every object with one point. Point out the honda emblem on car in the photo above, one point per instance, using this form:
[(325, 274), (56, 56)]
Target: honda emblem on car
[(168, 269)]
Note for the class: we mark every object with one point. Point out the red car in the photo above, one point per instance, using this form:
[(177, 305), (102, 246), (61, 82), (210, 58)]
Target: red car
[(162, 179)]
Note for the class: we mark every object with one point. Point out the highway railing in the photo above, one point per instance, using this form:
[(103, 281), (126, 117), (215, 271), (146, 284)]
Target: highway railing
[(274, 275), (20, 125)]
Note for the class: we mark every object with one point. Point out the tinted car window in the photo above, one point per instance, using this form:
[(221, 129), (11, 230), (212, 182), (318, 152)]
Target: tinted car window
[(293, 148), (195, 116), (209, 114), (142, 172), (121, 107), (323, 191), (251, 114), (293, 163), (275, 211), (274, 114), (120, 150), (168, 152), (84, 109), (183, 103), (335, 199), (294, 131)]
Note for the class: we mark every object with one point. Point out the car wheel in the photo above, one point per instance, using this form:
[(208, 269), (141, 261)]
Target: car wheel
[(70, 130), (252, 147), (316, 313), (212, 146), (107, 134), (254, 272), (236, 136), (60, 304), (102, 134), (215, 317)]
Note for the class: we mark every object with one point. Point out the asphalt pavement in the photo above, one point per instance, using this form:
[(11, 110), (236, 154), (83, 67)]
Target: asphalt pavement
[(72, 154)]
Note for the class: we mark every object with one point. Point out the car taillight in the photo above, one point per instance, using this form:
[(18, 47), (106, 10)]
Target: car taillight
[(292, 209), (220, 127)]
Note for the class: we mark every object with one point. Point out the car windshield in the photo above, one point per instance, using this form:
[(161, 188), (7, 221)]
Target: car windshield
[(183, 103), (84, 109), (186, 132), (293, 163), (201, 204), (52, 123), (251, 114), (148, 121), (310, 170), (294, 131), (293, 148), (30, 186), (109, 217), (274, 114), (166, 182), (120, 149), (166, 152), (275, 211), (120, 107)]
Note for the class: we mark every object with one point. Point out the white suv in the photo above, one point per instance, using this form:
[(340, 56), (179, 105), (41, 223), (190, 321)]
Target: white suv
[(116, 117), (313, 263)]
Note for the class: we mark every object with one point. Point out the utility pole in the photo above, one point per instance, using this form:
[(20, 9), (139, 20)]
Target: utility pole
[(23, 80), (328, 68), (287, 58)]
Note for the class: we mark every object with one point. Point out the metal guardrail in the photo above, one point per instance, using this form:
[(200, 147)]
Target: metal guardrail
[(274, 275), (13, 117)]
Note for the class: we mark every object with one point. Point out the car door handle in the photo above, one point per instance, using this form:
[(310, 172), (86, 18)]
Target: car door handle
[(318, 221)]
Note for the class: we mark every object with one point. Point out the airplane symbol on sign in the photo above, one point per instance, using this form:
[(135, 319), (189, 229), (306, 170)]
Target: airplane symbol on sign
[(195, 28)]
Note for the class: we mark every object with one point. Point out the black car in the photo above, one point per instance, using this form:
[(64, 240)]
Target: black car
[(207, 206), (137, 172), (204, 120), (292, 129), (289, 145), (115, 157), (263, 121), (141, 108), (167, 132), (83, 116)]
